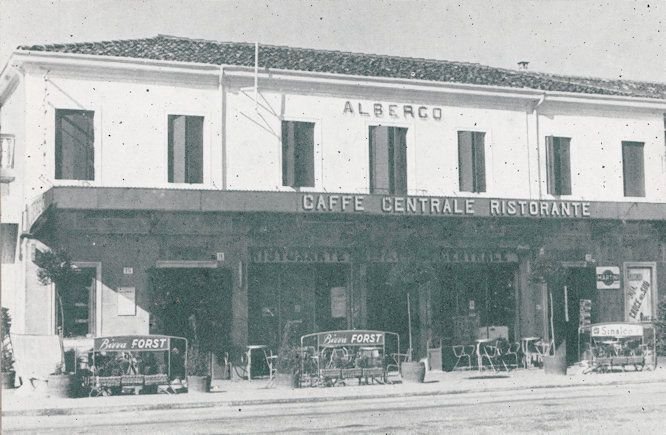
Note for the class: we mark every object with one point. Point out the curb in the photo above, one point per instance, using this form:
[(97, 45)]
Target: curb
[(46, 412)]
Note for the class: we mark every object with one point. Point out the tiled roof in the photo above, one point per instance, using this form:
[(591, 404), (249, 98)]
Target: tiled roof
[(178, 49)]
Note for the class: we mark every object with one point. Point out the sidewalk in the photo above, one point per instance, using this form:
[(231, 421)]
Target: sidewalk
[(257, 392)]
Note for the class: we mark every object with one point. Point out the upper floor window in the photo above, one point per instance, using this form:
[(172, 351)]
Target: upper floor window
[(74, 145), (472, 161), (388, 160), (633, 169), (298, 154), (559, 165), (185, 149)]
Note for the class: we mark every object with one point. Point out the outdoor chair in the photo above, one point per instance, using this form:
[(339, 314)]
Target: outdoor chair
[(460, 352), (510, 357), (491, 354)]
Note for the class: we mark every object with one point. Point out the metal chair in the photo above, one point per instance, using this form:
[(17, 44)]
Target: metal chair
[(460, 353), (511, 355)]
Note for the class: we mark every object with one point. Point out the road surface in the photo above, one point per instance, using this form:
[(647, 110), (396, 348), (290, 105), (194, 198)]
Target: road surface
[(638, 408)]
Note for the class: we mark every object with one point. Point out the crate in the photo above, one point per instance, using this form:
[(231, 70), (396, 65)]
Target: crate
[(131, 380), (373, 372), (159, 379), (330, 373), (108, 381), (351, 373)]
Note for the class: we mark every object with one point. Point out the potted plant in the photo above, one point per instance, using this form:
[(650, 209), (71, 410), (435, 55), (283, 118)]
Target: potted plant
[(55, 267), (549, 271), (7, 363), (288, 367), (198, 370)]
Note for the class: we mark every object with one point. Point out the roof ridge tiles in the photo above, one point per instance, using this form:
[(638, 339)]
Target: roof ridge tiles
[(204, 51)]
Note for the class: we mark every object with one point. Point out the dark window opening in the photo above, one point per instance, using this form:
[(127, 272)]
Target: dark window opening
[(388, 160), (297, 154), (472, 161), (559, 165), (74, 145), (633, 169), (77, 297), (185, 149)]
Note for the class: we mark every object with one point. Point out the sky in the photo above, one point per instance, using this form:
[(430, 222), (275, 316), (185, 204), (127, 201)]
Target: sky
[(610, 39)]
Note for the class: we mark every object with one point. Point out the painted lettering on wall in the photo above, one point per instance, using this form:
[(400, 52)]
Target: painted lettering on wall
[(299, 255), (395, 111), (539, 208), (442, 206)]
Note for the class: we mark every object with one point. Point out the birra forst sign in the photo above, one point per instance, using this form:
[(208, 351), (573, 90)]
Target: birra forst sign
[(608, 277)]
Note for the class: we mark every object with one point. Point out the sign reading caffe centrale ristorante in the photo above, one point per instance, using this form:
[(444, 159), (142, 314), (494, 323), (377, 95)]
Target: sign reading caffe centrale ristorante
[(443, 206)]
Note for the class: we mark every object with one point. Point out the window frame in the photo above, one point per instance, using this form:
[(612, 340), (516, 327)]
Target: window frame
[(554, 186), (317, 155), (408, 157), (486, 160), (97, 144), (642, 187)]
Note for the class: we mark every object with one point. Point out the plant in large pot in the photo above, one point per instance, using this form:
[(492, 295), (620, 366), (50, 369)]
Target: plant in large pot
[(198, 370), (547, 270), (7, 363), (414, 278), (288, 361), (55, 267), (288, 367)]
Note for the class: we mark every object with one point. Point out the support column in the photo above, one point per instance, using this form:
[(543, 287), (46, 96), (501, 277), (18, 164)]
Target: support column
[(239, 301), (359, 309), (425, 321)]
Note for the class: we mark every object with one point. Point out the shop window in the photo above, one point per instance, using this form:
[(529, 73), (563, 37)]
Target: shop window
[(633, 169), (186, 149), (388, 160), (74, 145), (472, 161), (297, 154), (559, 165), (78, 303)]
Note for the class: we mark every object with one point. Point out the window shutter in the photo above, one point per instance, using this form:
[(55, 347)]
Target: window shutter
[(565, 166), (633, 169), (550, 165), (465, 175), (479, 153), (399, 147), (287, 153), (303, 154)]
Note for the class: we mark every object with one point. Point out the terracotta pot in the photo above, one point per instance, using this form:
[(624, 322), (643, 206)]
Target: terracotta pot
[(62, 386), (413, 371), (287, 380), (198, 384), (8, 379), (555, 364)]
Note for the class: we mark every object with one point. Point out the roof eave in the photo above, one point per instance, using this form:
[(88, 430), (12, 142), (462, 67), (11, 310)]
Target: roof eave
[(197, 68)]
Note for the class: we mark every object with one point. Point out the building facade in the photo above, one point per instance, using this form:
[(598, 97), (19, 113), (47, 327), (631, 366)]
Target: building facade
[(323, 188)]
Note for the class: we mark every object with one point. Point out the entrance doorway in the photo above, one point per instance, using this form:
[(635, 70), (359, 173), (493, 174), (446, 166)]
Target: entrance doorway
[(192, 303), (579, 285), (472, 299), (314, 295)]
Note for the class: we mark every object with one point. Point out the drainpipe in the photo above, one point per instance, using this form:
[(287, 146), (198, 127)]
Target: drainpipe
[(535, 111), (223, 140)]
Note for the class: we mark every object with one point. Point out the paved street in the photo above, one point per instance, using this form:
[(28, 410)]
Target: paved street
[(634, 408)]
